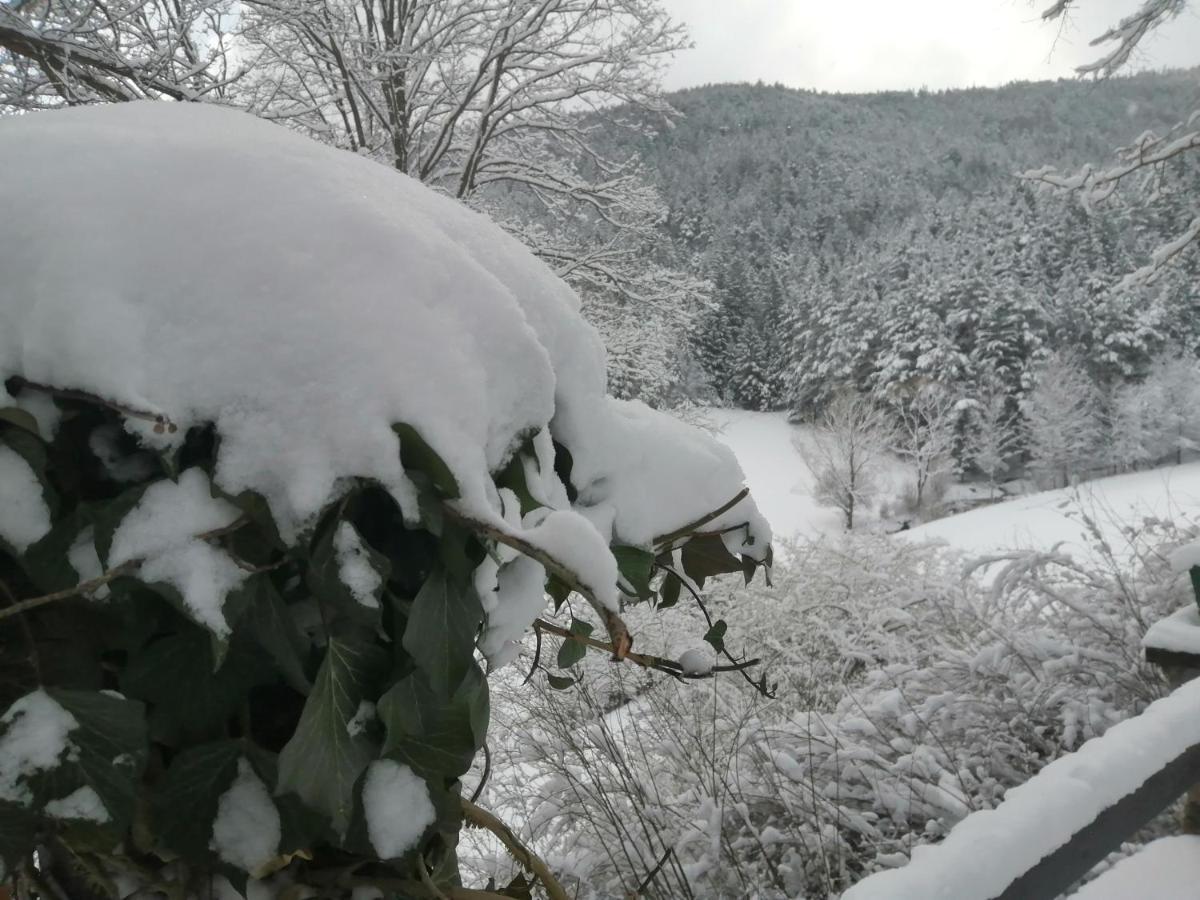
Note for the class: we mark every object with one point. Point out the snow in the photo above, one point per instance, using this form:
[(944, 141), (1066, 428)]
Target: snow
[(1167, 869), (698, 661), (766, 446), (247, 829), (1183, 558), (354, 567), (517, 599), (1178, 632), (86, 562), (397, 807), (35, 739), (162, 531), (362, 717), (987, 850), (1039, 521), (24, 516), (347, 298), (83, 804)]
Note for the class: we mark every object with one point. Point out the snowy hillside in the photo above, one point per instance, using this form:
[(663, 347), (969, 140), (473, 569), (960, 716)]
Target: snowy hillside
[(780, 480)]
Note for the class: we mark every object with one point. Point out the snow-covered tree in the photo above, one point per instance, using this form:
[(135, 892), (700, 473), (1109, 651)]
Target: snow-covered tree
[(993, 434), (1062, 418), (926, 431), (1171, 398), (1150, 159), (68, 52), (487, 101), (846, 451)]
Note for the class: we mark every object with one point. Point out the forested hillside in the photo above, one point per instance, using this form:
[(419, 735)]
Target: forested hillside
[(875, 239)]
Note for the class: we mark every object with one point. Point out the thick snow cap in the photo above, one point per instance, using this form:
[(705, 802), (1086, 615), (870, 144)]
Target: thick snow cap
[(199, 263)]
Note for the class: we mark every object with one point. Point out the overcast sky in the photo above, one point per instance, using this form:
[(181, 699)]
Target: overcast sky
[(867, 45)]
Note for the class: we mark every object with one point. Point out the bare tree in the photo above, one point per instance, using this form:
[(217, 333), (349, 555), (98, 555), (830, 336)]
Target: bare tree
[(846, 451), (927, 420), (493, 101), (56, 52), (1147, 160)]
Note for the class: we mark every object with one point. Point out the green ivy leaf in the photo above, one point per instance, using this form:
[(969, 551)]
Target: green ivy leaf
[(716, 635), (559, 591), (637, 568), (271, 624), (415, 453), (441, 630), (668, 592), (706, 555), (189, 700), (438, 738), (18, 835), (571, 652), (1194, 574), (560, 682), (322, 760), (324, 575), (112, 747), (185, 805)]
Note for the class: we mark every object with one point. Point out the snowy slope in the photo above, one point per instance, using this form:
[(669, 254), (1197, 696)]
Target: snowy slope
[(1042, 520), (776, 474), (781, 483), (779, 479)]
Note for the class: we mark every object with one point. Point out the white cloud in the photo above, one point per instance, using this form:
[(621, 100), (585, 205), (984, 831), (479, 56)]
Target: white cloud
[(867, 45)]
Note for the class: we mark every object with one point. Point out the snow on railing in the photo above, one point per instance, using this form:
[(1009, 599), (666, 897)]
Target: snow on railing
[(1051, 830)]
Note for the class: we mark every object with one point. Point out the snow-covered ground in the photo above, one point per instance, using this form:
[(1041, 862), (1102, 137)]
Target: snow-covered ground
[(1041, 520), (781, 483), (765, 445)]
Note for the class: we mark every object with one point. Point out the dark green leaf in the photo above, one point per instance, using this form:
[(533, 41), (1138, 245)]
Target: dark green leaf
[(707, 555), (1194, 573), (273, 627), (324, 574), (323, 760), (519, 889), (112, 746), (436, 737), (668, 592), (441, 630), (559, 590), (560, 682), (415, 453), (18, 834), (185, 804), (716, 635), (573, 651), (189, 701), (749, 566), (636, 567)]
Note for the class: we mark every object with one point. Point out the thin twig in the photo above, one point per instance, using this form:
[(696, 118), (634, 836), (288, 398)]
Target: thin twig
[(84, 587), (161, 422), (653, 873), (688, 529), (645, 660), (522, 854)]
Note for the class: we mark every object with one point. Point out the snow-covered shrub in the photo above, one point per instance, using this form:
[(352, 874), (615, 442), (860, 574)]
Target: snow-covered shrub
[(285, 439), (907, 695)]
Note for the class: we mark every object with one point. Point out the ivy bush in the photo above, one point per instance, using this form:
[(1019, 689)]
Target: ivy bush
[(313, 683)]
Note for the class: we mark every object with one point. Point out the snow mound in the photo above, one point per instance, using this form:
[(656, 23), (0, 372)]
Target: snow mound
[(989, 849), (193, 262)]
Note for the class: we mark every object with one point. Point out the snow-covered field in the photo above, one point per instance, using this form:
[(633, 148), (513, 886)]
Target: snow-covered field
[(781, 484)]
